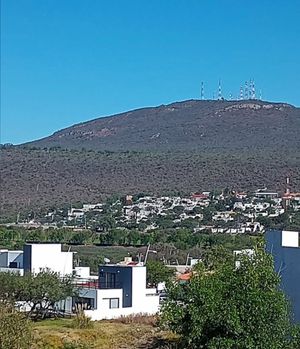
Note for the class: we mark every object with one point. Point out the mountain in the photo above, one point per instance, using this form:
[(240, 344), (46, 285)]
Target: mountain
[(188, 125), (181, 147)]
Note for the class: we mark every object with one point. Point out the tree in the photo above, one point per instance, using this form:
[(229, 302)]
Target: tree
[(40, 293), (158, 272), (227, 307), (178, 209), (14, 328), (207, 214), (107, 222)]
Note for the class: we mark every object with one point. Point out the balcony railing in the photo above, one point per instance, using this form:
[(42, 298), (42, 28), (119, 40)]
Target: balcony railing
[(91, 284), (94, 284)]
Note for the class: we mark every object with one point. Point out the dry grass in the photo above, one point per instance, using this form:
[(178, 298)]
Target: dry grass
[(141, 318), (120, 334)]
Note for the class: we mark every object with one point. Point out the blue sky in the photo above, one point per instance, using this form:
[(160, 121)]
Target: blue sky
[(67, 61)]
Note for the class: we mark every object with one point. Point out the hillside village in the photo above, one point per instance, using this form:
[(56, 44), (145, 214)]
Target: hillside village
[(230, 212)]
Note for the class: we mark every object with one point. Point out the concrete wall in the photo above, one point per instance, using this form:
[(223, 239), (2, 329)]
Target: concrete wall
[(49, 256), (12, 270), (82, 272), (286, 253), (103, 310)]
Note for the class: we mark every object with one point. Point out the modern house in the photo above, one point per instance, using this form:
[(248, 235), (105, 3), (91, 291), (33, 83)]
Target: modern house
[(285, 248), (37, 257), (117, 290)]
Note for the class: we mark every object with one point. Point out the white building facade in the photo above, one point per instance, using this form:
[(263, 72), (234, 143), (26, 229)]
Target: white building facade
[(119, 291)]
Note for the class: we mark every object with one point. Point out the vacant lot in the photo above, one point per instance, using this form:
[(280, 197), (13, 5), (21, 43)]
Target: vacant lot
[(59, 334)]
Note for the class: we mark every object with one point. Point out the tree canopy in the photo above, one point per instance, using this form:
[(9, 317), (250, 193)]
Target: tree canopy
[(37, 293), (225, 306), (158, 272)]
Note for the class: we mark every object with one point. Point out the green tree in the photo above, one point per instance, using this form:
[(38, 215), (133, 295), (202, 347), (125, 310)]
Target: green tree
[(40, 292), (229, 307), (158, 272), (107, 223)]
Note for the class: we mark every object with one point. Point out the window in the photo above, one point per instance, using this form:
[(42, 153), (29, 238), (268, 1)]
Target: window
[(84, 303), (113, 303)]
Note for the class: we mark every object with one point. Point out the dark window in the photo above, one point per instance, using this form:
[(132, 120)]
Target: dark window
[(111, 280), (13, 265)]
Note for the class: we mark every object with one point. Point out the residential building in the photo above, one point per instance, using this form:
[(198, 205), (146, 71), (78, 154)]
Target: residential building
[(38, 257), (119, 291), (285, 248)]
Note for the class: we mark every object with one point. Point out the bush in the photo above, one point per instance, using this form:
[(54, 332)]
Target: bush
[(81, 320), (15, 331)]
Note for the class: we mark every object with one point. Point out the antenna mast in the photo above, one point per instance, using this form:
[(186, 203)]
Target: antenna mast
[(288, 190), (246, 90), (241, 93), (253, 90), (219, 91), (202, 90)]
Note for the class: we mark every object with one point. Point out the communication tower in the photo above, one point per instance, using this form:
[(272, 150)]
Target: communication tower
[(253, 90), (202, 90), (288, 190), (219, 91), (241, 93), (246, 90)]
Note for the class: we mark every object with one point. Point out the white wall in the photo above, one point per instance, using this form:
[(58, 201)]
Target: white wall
[(50, 256), (290, 238), (138, 287), (102, 300), (82, 272), (12, 270)]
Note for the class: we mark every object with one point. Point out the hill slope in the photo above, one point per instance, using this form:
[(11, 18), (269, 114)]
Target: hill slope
[(185, 126), (182, 147)]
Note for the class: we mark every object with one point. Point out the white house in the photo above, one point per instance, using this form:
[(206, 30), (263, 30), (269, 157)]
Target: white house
[(119, 291), (37, 257)]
